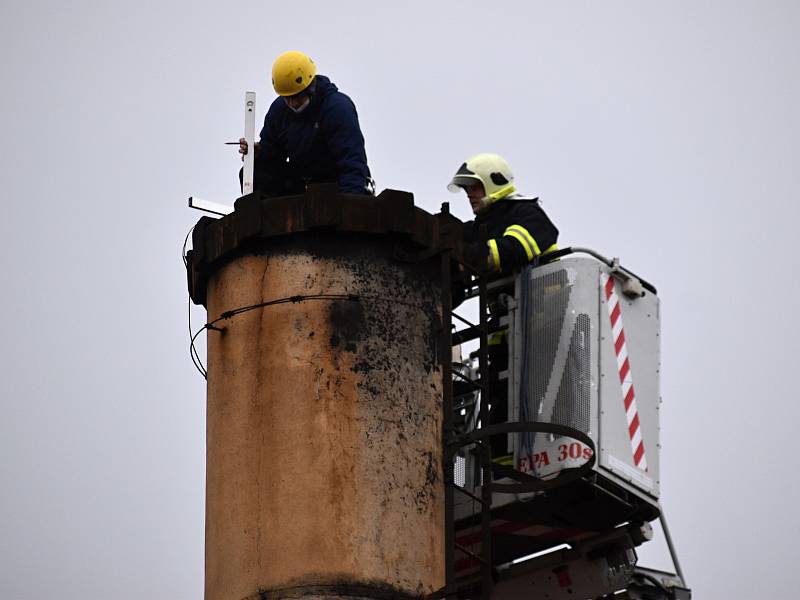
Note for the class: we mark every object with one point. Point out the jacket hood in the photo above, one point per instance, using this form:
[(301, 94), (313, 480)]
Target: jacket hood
[(323, 87)]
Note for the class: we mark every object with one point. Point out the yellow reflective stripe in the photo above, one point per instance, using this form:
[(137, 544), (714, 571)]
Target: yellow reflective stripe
[(529, 243), (552, 248), (502, 193), (518, 236), (494, 255), (497, 338), (508, 459)]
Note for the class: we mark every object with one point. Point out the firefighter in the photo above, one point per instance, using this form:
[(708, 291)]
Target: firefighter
[(311, 134), (517, 232)]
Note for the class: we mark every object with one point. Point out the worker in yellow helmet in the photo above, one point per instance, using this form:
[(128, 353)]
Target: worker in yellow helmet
[(518, 229), (311, 134)]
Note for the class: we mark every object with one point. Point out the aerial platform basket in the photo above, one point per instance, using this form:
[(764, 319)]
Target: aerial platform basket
[(583, 347)]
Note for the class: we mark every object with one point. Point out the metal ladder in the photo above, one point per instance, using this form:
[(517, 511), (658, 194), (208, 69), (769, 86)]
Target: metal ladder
[(452, 442)]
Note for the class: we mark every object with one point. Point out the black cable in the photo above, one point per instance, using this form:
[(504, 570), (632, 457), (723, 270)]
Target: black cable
[(228, 314), (194, 355), (192, 350), (183, 253), (293, 299)]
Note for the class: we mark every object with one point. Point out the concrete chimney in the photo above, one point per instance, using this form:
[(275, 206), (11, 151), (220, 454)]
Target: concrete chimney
[(324, 430)]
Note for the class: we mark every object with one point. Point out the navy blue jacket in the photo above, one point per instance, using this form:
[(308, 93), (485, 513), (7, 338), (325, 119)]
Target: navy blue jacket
[(321, 144)]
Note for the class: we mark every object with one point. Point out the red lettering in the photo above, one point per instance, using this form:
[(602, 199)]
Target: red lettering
[(525, 464), (574, 450)]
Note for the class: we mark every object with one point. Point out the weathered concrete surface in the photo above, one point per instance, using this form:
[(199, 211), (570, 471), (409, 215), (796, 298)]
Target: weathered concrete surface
[(324, 430)]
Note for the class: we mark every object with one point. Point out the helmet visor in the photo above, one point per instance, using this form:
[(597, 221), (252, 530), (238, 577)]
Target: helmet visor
[(459, 181)]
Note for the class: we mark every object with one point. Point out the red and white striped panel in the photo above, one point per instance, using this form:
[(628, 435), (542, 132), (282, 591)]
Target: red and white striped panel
[(624, 367)]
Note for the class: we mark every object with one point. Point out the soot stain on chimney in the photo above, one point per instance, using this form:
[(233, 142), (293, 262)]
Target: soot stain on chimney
[(347, 322)]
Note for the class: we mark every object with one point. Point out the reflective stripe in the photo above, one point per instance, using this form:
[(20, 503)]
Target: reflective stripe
[(525, 238), (521, 239), (502, 193), (494, 255), (552, 248), (498, 337)]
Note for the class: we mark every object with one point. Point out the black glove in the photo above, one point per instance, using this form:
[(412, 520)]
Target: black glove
[(475, 255)]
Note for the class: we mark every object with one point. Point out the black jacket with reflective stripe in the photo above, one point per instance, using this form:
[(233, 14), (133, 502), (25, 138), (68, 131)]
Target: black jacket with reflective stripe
[(498, 217)]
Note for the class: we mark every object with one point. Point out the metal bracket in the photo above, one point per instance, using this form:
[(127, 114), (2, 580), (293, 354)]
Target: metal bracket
[(211, 207), (631, 286)]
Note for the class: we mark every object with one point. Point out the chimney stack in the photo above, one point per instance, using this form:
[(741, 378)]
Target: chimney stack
[(324, 429)]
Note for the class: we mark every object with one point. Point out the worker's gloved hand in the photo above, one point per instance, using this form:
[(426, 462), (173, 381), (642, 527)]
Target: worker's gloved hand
[(243, 147), (475, 255)]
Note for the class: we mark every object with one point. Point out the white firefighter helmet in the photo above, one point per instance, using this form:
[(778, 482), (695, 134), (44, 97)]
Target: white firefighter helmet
[(492, 170)]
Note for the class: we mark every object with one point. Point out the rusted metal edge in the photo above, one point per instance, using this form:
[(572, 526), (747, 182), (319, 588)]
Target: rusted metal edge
[(349, 590), (257, 218)]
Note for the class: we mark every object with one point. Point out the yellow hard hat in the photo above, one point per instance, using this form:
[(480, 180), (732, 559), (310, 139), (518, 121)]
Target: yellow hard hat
[(292, 72)]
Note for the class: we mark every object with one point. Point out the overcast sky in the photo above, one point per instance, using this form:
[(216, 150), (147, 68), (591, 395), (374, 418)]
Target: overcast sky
[(665, 133)]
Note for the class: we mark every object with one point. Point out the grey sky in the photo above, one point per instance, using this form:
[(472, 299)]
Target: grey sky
[(663, 133)]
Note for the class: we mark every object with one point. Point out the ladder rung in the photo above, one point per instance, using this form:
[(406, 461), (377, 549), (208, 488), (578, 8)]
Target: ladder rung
[(464, 321), (465, 335), (470, 553), (470, 494), (466, 379)]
